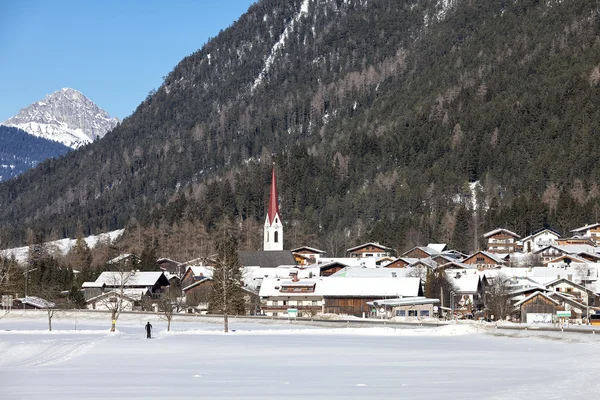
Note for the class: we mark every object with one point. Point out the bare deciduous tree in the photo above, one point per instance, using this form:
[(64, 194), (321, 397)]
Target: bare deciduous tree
[(171, 303), (497, 297)]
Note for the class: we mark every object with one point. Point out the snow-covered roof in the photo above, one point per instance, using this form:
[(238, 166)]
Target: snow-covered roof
[(353, 272), (374, 244), (465, 283), (403, 301), (500, 230), (37, 302), (571, 248), (540, 232), (310, 249), (366, 262), (111, 278), (585, 228), (92, 285), (439, 247), (193, 285), (346, 287), (120, 258), (131, 294), (427, 262), (197, 271)]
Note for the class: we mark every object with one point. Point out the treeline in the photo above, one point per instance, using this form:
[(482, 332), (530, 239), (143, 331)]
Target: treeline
[(377, 119)]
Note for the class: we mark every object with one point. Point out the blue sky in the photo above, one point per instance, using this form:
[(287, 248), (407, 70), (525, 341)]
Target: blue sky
[(114, 52)]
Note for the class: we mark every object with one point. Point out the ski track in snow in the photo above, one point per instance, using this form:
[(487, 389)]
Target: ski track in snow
[(43, 353)]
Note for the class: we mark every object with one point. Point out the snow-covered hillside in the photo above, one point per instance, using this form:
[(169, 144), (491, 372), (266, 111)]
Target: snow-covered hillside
[(65, 116), (62, 246)]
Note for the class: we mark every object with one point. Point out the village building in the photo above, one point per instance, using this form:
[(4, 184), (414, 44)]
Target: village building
[(483, 260), (537, 307), (539, 239), (307, 255), (369, 250), (33, 303), (420, 252), (552, 252), (591, 232), (501, 241), (578, 292), (132, 286), (404, 309), (468, 296), (401, 262), (300, 295)]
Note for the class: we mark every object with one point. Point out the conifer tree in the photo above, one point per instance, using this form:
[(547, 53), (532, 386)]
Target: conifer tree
[(226, 295)]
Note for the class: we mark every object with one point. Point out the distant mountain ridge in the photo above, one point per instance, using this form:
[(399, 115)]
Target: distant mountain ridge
[(65, 116), (20, 151)]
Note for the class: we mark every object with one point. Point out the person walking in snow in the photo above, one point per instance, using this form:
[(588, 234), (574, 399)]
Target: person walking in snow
[(148, 330)]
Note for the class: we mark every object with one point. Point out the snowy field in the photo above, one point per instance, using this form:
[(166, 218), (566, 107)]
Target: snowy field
[(268, 359)]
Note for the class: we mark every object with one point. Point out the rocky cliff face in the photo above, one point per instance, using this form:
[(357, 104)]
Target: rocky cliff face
[(65, 116)]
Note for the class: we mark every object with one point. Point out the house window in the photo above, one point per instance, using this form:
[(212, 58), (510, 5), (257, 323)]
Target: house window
[(285, 302), (274, 314), (267, 236), (569, 290), (412, 313), (113, 299), (314, 303), (400, 313), (300, 314), (424, 313), (480, 260), (276, 237)]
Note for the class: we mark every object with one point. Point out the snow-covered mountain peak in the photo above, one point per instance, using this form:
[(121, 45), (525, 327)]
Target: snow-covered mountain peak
[(65, 116)]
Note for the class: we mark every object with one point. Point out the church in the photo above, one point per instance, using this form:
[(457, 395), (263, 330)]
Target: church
[(272, 255)]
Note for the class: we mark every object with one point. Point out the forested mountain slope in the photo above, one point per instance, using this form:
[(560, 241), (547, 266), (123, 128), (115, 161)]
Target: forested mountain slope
[(377, 114), (20, 151)]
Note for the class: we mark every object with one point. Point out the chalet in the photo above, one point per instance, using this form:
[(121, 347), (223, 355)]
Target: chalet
[(445, 258), (589, 231), (383, 261), (368, 250), (520, 294), (266, 259), (577, 292), (277, 296), (483, 259), (454, 265), (501, 241), (469, 293), (570, 304), (131, 300), (538, 307), (539, 239), (194, 274), (307, 255), (552, 252), (349, 296), (171, 266), (197, 294), (144, 284)]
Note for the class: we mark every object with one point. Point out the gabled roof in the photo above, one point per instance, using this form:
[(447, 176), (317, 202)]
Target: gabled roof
[(129, 294), (193, 285), (167, 261), (308, 249), (439, 247), (331, 265), (426, 262), (585, 228), (37, 302), (122, 257), (85, 285), (128, 279), (369, 287), (561, 280), (535, 294), (500, 230), (567, 299), (427, 250), (570, 257), (455, 265), (374, 244), (466, 283), (539, 232), (494, 257), (570, 248), (266, 259), (354, 272)]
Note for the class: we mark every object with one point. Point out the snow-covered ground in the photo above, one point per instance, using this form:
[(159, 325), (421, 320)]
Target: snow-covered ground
[(264, 359)]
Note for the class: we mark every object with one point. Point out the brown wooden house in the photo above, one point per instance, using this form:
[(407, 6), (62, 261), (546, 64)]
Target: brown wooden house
[(501, 241), (538, 307), (331, 268), (401, 262), (483, 260), (420, 252), (307, 255)]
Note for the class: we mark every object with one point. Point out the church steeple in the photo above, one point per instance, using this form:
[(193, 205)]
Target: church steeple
[(273, 232)]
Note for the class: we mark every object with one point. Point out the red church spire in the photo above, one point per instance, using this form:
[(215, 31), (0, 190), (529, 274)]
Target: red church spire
[(273, 200)]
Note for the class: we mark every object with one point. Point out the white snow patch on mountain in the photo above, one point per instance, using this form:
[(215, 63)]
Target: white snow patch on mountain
[(62, 246), (65, 116)]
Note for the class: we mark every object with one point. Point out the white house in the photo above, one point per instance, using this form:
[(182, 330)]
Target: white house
[(538, 240)]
